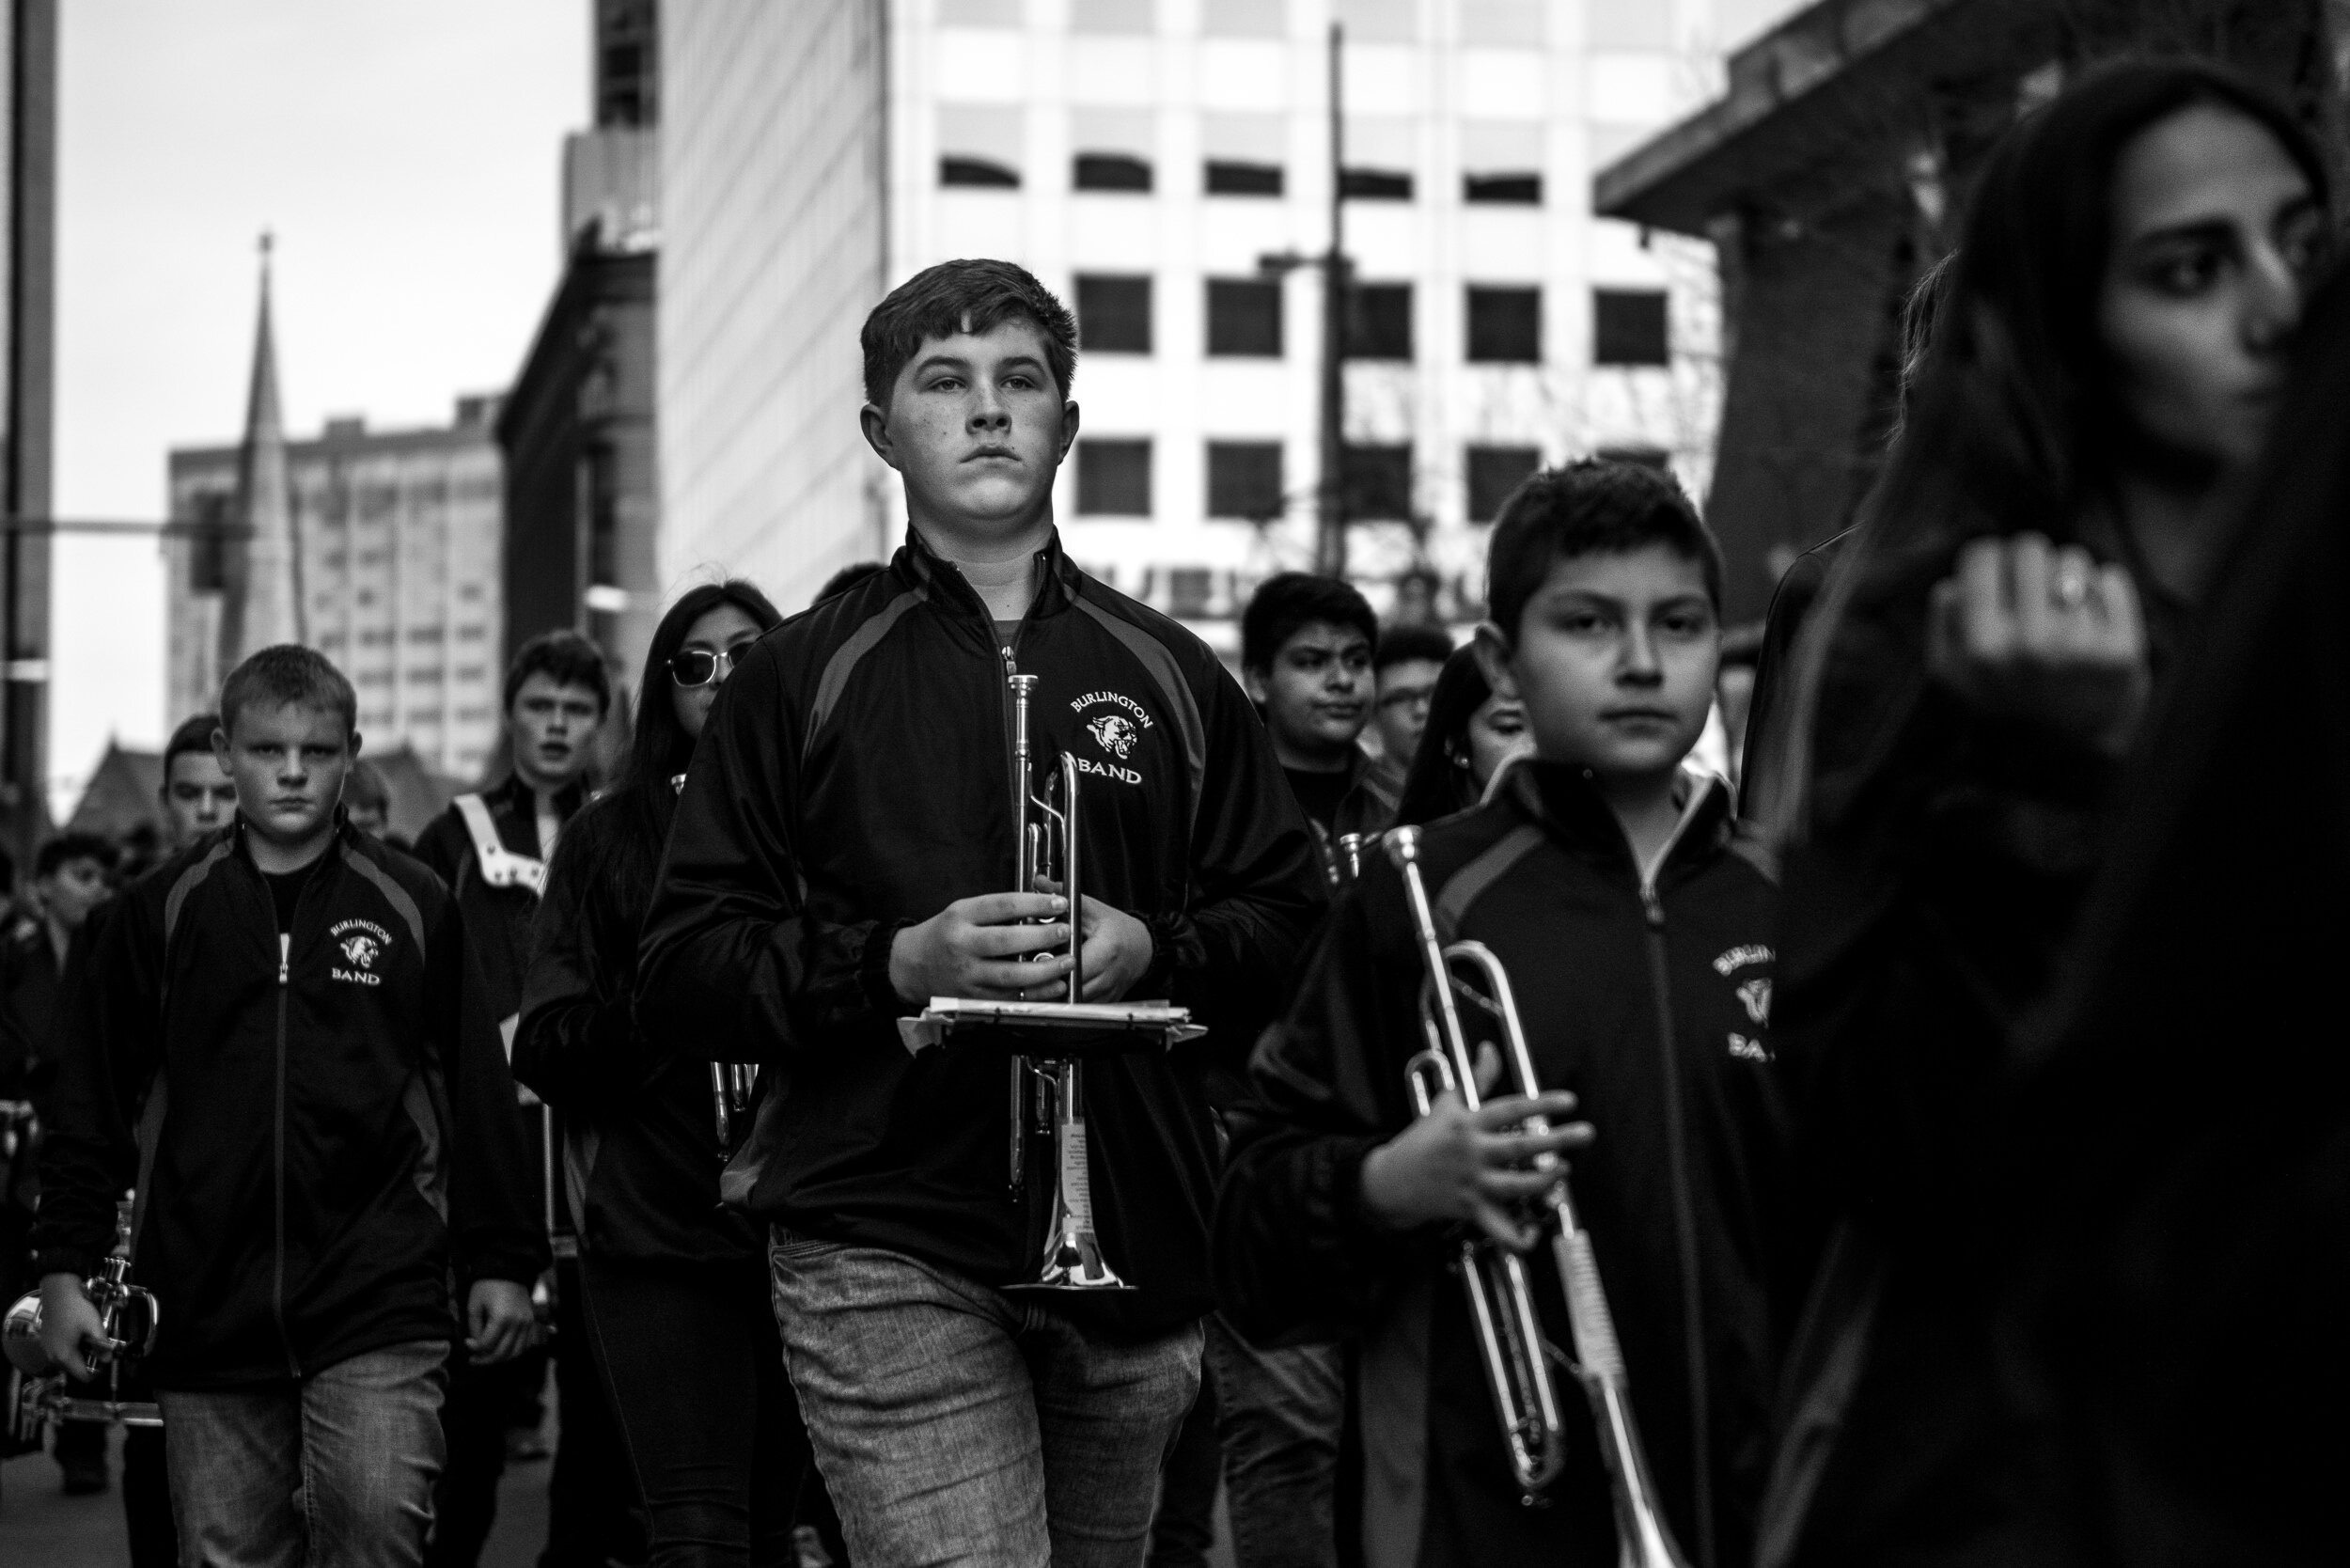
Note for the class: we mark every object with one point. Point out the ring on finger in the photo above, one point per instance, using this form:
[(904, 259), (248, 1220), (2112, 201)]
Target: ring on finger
[(2071, 588)]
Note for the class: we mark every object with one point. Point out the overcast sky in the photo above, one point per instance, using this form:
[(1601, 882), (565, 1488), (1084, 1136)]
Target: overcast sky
[(405, 155)]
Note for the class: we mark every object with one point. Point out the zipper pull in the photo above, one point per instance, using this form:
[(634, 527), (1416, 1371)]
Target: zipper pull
[(284, 955)]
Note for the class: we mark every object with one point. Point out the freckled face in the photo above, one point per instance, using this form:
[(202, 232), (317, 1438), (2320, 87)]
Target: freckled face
[(977, 428)]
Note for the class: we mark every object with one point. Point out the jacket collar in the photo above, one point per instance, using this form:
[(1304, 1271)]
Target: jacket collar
[(344, 839), (1559, 798), (514, 795), (936, 579)]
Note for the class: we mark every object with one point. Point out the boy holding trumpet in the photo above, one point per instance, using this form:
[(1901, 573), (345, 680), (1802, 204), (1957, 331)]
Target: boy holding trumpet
[(1610, 885)]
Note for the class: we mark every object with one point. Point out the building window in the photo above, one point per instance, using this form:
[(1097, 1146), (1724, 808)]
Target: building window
[(1231, 177), (1114, 314), (1520, 189), (424, 633), (471, 672), (1377, 480), (1628, 327), (1110, 16), (1505, 326), (1189, 590), (208, 553), (1244, 480), (1379, 321), (1113, 478), (1376, 184), (1494, 472), (1244, 316), (1111, 171), (978, 145), (472, 634), (1645, 456)]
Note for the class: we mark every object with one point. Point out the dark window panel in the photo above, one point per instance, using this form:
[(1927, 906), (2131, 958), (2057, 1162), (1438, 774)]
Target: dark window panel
[(1377, 480), (1629, 327), (957, 169), (1113, 478), (1492, 473), (207, 555), (1227, 178), (1244, 316), (1524, 190), (1379, 321), (1189, 588), (1111, 171), (1505, 326), (1114, 314), (1244, 480), (1646, 457), (1376, 184)]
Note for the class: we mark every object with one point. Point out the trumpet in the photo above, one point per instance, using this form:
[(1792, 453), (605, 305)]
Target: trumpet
[(128, 1317), (1463, 977), (1047, 1094)]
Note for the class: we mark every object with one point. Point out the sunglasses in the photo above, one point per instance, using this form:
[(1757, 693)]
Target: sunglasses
[(701, 667)]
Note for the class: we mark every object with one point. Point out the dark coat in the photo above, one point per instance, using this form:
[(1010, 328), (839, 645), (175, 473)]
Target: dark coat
[(325, 1143), (855, 778), (1648, 1000), (498, 918), (641, 1156)]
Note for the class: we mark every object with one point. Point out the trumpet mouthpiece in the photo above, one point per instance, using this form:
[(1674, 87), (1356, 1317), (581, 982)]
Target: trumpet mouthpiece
[(1402, 844)]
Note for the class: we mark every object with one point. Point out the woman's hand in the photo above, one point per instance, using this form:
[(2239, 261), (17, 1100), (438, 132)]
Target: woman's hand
[(2024, 630)]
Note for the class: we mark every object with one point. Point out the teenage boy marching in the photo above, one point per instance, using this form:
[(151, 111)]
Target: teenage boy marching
[(280, 1040), (843, 851), (1636, 931)]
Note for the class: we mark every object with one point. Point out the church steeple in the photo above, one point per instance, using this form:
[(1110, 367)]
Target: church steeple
[(262, 603)]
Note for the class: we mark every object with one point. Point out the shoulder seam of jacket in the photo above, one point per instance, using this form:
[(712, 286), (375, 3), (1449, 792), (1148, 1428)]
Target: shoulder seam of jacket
[(403, 903), (846, 658), (189, 881), (1158, 662), (1464, 886)]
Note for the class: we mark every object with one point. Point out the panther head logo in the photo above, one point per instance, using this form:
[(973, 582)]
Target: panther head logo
[(1756, 995), (361, 949), (1114, 732)]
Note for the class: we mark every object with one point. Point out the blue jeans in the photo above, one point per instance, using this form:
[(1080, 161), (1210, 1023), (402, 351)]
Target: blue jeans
[(1278, 1412), (959, 1424), (337, 1468)]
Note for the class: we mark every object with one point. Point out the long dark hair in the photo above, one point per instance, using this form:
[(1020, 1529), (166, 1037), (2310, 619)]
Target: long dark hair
[(630, 821), (2012, 423), (1440, 782)]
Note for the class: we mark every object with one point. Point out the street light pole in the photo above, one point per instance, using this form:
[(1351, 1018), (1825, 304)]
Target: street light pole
[(1330, 500)]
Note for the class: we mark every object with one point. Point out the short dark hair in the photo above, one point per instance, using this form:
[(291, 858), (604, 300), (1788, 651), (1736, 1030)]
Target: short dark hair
[(1400, 645), (193, 734), (1598, 506), (846, 578), (1289, 600), (564, 657), (288, 675), (366, 782), (972, 296), (73, 846)]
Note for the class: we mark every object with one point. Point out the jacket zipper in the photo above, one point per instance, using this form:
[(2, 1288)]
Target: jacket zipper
[(1685, 1208), (277, 1271)]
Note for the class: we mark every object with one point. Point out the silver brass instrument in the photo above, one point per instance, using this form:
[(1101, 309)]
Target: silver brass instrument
[(1502, 1304), (731, 1082), (1047, 1096), (127, 1316), (1346, 862)]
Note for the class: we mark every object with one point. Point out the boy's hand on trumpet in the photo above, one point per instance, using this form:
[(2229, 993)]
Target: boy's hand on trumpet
[(978, 947), (1458, 1165), (1117, 949)]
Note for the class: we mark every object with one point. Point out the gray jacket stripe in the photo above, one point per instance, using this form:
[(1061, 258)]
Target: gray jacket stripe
[(1464, 886), (395, 895), (431, 1177), (844, 660), (1169, 676), (190, 880)]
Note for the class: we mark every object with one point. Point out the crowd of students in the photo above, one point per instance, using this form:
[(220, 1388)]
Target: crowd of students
[(1942, 1225)]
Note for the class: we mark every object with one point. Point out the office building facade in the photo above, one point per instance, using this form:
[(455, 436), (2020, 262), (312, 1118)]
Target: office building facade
[(397, 567), (1148, 159)]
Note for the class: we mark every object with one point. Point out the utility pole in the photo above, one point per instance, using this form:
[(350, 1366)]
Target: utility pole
[(1337, 286), (1330, 509)]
